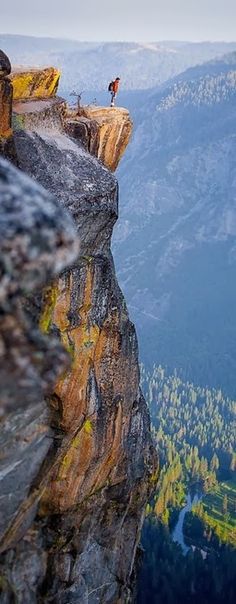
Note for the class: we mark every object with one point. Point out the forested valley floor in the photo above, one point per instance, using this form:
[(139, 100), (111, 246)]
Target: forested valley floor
[(194, 432)]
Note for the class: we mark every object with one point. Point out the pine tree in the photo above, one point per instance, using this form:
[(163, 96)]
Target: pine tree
[(233, 462), (215, 464), (225, 505)]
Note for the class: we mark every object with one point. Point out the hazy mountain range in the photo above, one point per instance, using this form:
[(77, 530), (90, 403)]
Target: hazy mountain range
[(175, 245), (89, 66)]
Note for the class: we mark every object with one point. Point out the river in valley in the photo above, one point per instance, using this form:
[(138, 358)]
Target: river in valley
[(177, 534)]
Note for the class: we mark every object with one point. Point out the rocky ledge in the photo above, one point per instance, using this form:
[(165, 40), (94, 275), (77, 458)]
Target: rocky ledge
[(105, 131), (102, 131), (78, 470)]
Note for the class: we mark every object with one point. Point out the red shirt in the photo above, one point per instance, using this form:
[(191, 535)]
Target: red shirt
[(116, 86)]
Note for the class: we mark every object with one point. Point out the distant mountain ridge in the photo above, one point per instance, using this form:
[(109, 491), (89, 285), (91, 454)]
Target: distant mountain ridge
[(208, 90)]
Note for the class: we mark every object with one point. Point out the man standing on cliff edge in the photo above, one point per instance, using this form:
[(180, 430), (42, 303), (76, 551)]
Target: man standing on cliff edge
[(113, 89)]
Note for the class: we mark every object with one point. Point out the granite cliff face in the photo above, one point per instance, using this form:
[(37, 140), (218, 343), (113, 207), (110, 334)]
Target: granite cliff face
[(77, 471)]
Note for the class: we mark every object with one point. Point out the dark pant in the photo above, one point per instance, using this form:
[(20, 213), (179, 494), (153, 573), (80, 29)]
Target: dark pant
[(113, 96)]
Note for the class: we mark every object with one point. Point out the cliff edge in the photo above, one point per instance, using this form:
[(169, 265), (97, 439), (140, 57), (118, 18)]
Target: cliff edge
[(72, 531)]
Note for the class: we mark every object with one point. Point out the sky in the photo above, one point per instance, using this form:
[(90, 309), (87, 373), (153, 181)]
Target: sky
[(135, 20)]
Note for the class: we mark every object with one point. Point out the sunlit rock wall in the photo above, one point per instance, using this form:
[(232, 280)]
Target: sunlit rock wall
[(92, 480)]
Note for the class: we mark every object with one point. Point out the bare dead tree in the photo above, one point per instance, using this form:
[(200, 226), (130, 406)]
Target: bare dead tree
[(78, 96)]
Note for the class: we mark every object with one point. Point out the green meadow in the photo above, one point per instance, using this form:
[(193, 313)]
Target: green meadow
[(220, 511)]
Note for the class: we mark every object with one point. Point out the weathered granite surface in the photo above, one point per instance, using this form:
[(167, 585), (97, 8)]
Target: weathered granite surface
[(33, 113), (37, 240)]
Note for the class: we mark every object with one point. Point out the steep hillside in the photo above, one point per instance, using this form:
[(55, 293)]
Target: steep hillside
[(175, 242), (76, 472)]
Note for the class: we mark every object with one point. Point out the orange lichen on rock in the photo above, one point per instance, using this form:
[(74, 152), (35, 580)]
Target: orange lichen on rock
[(5, 108), (34, 83), (85, 466), (49, 302), (82, 340), (96, 422)]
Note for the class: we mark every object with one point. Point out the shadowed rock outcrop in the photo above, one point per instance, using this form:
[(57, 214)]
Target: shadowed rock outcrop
[(5, 99), (5, 65), (97, 475)]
